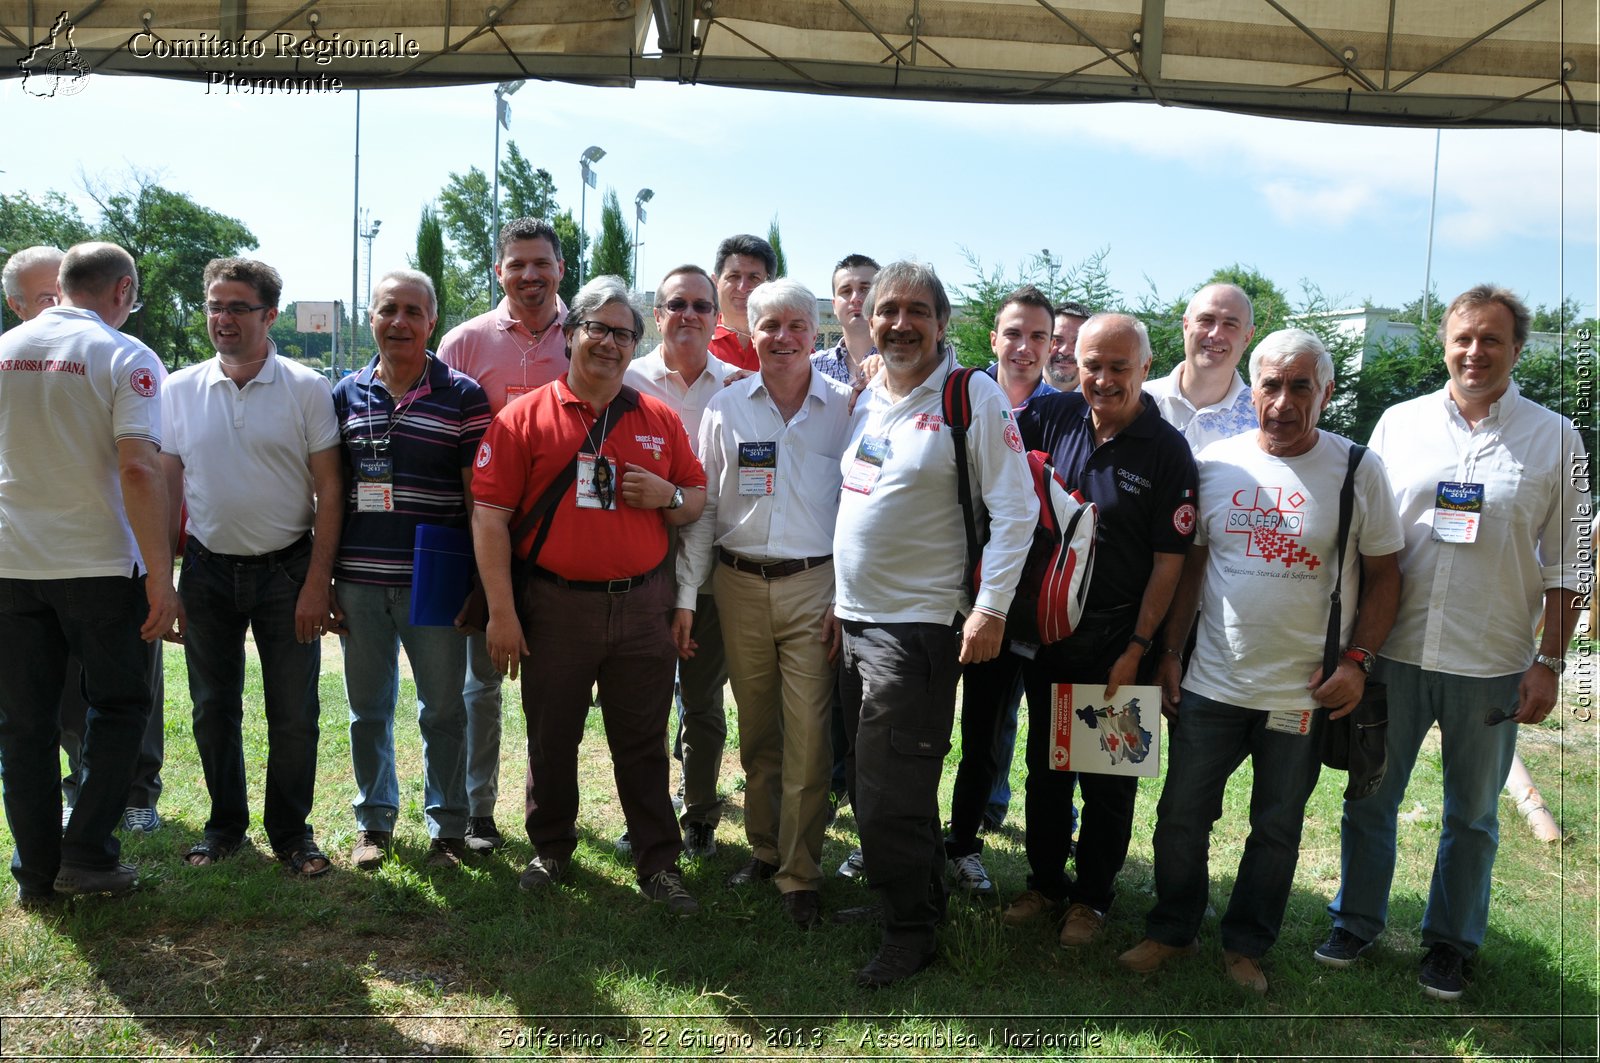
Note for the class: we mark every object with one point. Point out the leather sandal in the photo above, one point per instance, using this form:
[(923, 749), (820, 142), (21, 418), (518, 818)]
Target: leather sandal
[(308, 861), (209, 850)]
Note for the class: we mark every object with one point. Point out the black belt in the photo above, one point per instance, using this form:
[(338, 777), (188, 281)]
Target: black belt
[(609, 586), (770, 570), (272, 557)]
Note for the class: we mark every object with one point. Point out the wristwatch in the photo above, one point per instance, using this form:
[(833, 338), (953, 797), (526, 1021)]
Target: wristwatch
[(1555, 664), (677, 498), (1361, 658)]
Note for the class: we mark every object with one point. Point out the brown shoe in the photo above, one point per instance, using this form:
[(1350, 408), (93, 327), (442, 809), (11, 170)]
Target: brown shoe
[(1027, 907), (1245, 970), (446, 853), (372, 848), (1083, 925), (802, 907), (1149, 954)]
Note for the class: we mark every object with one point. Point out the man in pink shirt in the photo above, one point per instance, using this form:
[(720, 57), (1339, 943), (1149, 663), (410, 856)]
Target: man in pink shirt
[(509, 351)]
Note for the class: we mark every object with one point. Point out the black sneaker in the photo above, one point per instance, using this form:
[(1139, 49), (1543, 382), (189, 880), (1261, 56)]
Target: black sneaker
[(542, 873), (666, 887), (1440, 977), (482, 835), (699, 840), (1341, 949)]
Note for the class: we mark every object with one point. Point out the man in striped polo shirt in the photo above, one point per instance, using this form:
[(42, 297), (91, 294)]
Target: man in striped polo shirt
[(410, 426)]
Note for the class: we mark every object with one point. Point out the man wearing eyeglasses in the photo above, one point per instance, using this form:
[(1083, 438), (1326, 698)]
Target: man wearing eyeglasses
[(590, 474), (1061, 370), (85, 567), (32, 287), (685, 376), (908, 623), (743, 263), (253, 445), (410, 426), (29, 280), (509, 351)]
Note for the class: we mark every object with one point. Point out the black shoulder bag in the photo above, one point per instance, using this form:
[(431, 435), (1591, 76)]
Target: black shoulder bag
[(1354, 743)]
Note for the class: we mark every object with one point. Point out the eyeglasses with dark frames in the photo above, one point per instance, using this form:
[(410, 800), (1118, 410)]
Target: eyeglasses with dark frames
[(598, 330), (232, 309)]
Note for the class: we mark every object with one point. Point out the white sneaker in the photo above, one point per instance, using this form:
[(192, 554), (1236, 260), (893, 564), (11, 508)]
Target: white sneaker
[(967, 874), (854, 866)]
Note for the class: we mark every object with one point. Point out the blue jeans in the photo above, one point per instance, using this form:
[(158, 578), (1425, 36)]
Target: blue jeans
[(482, 697), (1476, 760), (222, 597), (41, 621), (378, 619), (1205, 745)]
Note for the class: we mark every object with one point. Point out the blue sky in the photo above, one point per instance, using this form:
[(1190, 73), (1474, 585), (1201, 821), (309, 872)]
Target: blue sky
[(1173, 193)]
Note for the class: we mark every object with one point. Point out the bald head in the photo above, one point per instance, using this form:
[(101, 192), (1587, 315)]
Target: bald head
[(1122, 332), (1217, 327), (30, 280)]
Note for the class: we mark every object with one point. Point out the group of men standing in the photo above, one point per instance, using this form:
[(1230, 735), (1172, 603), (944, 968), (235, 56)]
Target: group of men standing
[(734, 505)]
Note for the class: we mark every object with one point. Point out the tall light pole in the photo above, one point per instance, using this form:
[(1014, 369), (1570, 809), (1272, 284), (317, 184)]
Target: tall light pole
[(585, 166), (355, 239), (502, 117), (645, 195), (369, 229)]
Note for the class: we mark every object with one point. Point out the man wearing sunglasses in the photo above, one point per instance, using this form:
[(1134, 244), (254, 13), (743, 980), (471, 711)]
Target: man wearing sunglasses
[(685, 376), (252, 443), (587, 475), (509, 351), (85, 567)]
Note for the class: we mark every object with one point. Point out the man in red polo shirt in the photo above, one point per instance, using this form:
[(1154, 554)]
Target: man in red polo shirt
[(744, 262), (596, 606)]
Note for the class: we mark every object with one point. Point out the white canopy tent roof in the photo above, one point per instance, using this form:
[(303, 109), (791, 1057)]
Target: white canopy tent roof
[(1450, 63)]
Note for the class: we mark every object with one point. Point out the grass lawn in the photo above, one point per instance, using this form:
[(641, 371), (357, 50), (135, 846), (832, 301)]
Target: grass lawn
[(241, 960)]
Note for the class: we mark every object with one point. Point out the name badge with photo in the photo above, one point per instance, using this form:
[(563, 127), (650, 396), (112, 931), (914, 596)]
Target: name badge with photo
[(758, 468), (597, 485), (1457, 512), (868, 464), (375, 484), (1290, 721)]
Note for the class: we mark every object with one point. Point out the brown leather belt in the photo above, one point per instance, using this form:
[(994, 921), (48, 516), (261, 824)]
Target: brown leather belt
[(770, 570)]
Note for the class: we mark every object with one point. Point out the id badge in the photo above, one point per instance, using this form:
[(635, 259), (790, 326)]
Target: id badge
[(868, 464), (758, 468), (1457, 511), (375, 485), (515, 392), (597, 486), (1290, 721)]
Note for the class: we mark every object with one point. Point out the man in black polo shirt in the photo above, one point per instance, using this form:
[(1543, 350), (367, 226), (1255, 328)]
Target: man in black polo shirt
[(1108, 441)]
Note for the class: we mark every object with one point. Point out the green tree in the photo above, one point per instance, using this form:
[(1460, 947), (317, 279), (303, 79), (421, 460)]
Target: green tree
[(430, 260), (171, 237), (53, 221), (465, 208), (775, 238), (574, 243), (524, 191), (613, 251)]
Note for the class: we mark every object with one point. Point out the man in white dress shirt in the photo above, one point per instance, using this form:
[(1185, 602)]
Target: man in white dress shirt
[(771, 446)]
